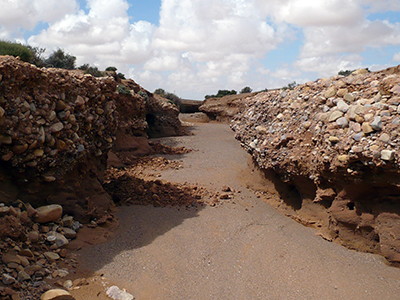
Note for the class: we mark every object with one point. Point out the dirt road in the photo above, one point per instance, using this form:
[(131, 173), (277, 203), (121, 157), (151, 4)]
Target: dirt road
[(242, 249)]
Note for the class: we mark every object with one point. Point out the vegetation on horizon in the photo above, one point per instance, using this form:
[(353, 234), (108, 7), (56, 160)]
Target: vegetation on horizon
[(57, 59), (174, 99)]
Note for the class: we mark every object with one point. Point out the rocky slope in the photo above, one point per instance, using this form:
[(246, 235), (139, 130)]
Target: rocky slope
[(57, 128), (335, 143)]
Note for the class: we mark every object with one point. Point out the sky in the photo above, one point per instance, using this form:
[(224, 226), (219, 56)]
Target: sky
[(197, 47)]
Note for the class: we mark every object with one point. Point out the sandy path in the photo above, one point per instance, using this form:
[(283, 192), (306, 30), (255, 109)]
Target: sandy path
[(243, 249)]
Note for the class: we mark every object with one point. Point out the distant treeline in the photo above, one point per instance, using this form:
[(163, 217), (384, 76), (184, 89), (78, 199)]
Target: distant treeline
[(57, 59)]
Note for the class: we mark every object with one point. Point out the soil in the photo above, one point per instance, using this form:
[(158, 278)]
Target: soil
[(236, 247)]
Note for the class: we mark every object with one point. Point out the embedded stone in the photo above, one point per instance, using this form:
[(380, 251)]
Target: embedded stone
[(330, 92), (384, 138), (366, 128), (342, 122), (387, 155), (79, 101), (343, 158), (5, 139), (333, 139), (349, 97), (51, 256), (377, 123), (335, 115), (57, 127), (49, 213), (342, 106)]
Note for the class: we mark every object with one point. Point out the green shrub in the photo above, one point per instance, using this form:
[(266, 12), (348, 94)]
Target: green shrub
[(144, 95), (26, 53), (123, 90), (121, 76), (111, 69), (60, 59), (84, 67), (246, 89), (94, 71), (221, 93), (160, 92), (290, 86), (16, 49)]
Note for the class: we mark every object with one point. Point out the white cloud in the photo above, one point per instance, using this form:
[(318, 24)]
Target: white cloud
[(202, 46), (331, 40), (382, 5), (25, 14), (318, 13), (329, 65), (396, 57), (103, 36)]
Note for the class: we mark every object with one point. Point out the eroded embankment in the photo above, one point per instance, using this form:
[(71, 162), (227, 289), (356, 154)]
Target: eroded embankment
[(57, 128), (333, 144)]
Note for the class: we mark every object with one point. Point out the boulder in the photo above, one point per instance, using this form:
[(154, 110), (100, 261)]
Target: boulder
[(48, 213)]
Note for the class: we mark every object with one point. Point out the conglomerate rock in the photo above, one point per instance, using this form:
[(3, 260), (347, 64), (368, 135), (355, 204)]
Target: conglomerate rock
[(57, 127), (337, 141), (50, 117)]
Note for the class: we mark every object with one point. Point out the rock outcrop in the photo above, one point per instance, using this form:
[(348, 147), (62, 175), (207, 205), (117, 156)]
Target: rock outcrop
[(224, 109), (57, 127), (336, 143)]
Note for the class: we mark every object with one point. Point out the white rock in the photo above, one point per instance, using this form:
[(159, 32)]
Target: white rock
[(48, 213), (116, 293), (342, 122), (342, 106), (387, 155), (335, 115)]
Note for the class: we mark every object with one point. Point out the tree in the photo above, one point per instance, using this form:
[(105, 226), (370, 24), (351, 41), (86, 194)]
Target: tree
[(84, 67), (111, 69), (62, 60), (37, 53), (94, 71), (121, 76), (221, 93), (345, 73), (246, 89), (160, 92), (290, 86)]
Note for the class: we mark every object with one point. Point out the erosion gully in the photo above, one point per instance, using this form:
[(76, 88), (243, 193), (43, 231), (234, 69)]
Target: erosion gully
[(241, 248)]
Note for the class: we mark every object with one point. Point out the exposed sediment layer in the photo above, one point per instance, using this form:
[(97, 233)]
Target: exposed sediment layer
[(336, 142), (57, 127)]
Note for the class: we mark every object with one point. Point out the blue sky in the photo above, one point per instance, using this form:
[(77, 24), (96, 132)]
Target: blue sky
[(195, 47)]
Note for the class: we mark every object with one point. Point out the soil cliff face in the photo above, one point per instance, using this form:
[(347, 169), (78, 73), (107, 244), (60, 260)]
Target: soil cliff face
[(57, 127), (57, 131), (335, 143)]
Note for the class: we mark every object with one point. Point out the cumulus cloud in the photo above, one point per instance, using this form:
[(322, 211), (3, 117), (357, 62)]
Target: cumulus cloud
[(101, 36), (314, 13), (396, 57), (26, 14), (202, 46)]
